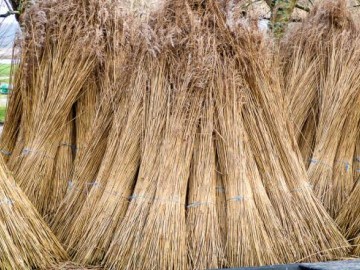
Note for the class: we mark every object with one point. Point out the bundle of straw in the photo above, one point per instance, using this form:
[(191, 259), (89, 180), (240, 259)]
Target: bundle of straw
[(243, 241), (276, 153), (90, 153), (122, 252), (26, 241), (205, 240), (115, 181), (85, 109), (321, 81), (62, 171), (54, 88)]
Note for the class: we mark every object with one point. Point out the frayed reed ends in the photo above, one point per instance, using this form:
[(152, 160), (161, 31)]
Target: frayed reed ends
[(26, 241)]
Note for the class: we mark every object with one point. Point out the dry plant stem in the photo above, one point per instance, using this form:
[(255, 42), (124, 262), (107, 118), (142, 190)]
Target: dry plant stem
[(356, 158), (87, 162), (306, 139), (123, 252), (23, 230), (277, 155), (85, 109), (165, 227), (62, 171), (339, 95), (115, 187), (243, 213), (300, 73), (204, 239), (221, 206), (348, 218)]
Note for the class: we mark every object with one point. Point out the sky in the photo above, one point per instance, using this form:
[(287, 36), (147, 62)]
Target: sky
[(8, 27)]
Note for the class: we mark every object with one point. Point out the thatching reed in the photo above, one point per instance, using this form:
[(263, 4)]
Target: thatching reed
[(120, 253), (205, 239), (62, 171), (71, 39), (85, 110), (261, 203), (321, 83), (91, 153), (164, 144), (107, 200), (221, 205), (277, 156), (26, 241)]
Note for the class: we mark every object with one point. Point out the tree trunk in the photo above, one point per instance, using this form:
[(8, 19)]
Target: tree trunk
[(281, 11)]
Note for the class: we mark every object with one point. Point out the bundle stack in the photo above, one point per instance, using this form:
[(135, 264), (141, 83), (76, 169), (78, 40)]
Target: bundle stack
[(163, 142), (193, 90)]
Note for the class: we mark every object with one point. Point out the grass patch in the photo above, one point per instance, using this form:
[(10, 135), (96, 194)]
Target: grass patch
[(5, 70), (2, 114), (5, 80)]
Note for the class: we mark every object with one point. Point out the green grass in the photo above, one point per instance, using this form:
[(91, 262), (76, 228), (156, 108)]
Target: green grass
[(5, 70), (5, 73), (2, 114)]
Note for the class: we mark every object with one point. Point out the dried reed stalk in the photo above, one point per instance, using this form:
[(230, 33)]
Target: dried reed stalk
[(57, 86), (204, 238), (62, 171), (123, 252), (276, 153), (87, 161), (26, 241), (253, 230), (313, 78), (85, 110), (221, 207), (356, 158), (106, 204), (306, 140), (339, 95)]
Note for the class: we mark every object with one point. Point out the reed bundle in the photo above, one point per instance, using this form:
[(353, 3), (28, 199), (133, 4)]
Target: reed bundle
[(269, 197), (91, 154), (116, 178), (205, 239), (184, 156), (122, 252), (243, 241), (165, 226), (277, 156), (321, 85), (62, 171), (26, 241), (85, 110), (71, 41)]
